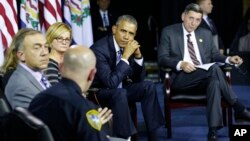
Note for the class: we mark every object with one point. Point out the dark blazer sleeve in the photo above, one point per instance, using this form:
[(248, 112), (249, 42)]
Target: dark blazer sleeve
[(169, 53)]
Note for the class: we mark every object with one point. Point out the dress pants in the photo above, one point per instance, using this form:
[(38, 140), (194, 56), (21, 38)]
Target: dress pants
[(117, 100), (214, 84)]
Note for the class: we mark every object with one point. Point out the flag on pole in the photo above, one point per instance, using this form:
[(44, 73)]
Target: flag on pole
[(29, 14), (52, 12), (77, 15), (8, 22), (1, 52), (67, 12)]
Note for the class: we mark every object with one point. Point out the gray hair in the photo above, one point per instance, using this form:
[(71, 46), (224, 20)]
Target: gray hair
[(193, 7), (21, 35), (127, 18)]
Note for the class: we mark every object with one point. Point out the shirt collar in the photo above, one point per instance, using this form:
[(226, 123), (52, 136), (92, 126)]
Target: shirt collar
[(36, 74), (117, 48), (103, 12), (186, 32), (205, 16)]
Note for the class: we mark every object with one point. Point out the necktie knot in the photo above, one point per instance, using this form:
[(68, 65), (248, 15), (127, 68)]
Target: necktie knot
[(45, 82), (188, 37), (119, 53)]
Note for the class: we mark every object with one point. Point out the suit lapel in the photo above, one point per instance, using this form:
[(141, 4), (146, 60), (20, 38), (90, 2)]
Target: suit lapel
[(180, 41), (112, 51), (199, 41), (31, 78)]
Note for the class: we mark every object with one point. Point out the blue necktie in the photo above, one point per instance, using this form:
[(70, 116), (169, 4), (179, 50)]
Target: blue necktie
[(118, 56), (45, 82), (105, 20)]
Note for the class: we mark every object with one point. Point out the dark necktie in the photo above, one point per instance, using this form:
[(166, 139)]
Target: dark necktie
[(118, 56), (118, 59), (105, 20), (192, 51), (45, 82)]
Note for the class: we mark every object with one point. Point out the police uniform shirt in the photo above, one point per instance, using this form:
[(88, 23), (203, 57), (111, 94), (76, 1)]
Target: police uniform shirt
[(68, 114)]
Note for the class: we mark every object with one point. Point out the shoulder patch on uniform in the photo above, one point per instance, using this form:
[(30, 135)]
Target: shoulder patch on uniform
[(93, 119)]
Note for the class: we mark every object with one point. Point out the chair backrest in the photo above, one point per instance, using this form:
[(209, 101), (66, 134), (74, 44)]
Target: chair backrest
[(4, 108), (20, 124)]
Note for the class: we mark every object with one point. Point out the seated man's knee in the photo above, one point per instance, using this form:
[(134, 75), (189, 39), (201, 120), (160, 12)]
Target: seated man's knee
[(214, 82), (149, 87)]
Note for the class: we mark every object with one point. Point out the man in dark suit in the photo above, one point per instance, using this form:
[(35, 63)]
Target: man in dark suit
[(64, 107), (102, 19), (120, 77), (175, 51), (208, 23)]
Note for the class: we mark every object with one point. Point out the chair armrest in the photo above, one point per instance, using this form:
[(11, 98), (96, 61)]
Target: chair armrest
[(227, 67), (167, 72), (166, 69), (227, 70)]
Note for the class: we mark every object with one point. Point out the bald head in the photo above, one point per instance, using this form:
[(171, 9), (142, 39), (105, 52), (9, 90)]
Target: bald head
[(79, 65), (79, 58)]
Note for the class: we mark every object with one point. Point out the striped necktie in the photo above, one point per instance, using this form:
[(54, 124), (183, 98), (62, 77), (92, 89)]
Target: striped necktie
[(192, 51)]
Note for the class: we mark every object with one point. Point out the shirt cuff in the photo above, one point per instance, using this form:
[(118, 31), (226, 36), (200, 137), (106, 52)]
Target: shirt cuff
[(139, 61), (227, 61), (126, 61), (178, 67)]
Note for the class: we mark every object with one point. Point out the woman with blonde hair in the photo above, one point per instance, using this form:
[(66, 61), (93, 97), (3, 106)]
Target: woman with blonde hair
[(59, 37)]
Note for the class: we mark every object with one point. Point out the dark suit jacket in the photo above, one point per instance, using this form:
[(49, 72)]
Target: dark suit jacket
[(109, 75), (63, 108), (214, 32), (97, 22), (171, 47)]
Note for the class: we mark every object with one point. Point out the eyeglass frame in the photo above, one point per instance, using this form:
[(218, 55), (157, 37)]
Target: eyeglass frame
[(61, 40)]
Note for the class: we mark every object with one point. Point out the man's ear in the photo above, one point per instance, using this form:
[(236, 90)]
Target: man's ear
[(182, 16), (21, 56), (92, 74), (114, 29)]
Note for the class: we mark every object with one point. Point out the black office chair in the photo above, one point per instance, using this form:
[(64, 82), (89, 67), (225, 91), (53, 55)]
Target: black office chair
[(4, 108), (183, 99), (20, 124)]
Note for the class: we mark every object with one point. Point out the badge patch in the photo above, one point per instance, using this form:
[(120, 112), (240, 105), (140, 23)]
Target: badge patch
[(93, 119)]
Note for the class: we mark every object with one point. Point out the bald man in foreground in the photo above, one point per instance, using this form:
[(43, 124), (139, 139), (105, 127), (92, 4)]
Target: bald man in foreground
[(64, 107)]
